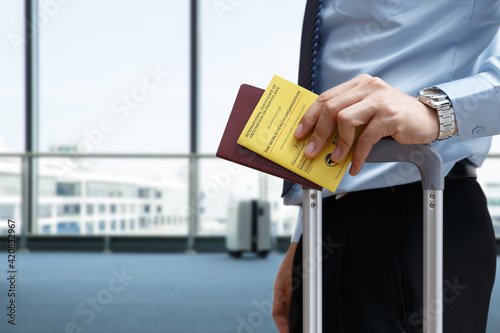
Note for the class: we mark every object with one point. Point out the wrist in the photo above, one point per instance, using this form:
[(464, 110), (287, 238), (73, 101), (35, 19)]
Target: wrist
[(433, 123)]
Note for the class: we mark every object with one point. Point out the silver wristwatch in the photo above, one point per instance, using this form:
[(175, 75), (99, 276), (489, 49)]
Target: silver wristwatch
[(437, 99)]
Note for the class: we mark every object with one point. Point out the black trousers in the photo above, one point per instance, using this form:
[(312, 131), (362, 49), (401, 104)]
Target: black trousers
[(372, 261)]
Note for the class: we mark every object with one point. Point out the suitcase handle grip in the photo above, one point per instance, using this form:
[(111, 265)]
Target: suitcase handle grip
[(424, 157)]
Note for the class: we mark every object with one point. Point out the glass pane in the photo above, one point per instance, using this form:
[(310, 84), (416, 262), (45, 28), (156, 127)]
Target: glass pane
[(490, 181), (112, 196), (12, 76), (243, 42), (10, 194), (114, 77), (222, 184)]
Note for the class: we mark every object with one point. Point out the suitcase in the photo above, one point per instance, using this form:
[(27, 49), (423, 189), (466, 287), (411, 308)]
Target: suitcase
[(249, 228), (430, 165)]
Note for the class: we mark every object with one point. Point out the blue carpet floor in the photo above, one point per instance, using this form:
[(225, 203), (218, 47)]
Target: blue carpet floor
[(148, 293)]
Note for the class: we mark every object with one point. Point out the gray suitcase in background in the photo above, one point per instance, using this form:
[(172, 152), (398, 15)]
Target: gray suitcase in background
[(249, 228)]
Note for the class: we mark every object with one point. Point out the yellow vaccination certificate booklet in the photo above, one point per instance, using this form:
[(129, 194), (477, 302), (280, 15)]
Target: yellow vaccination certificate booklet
[(269, 132)]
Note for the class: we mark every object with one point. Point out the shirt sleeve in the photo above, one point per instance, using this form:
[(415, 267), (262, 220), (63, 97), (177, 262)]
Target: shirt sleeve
[(475, 100), (299, 226)]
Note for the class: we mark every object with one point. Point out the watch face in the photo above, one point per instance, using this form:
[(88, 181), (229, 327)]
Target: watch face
[(432, 94)]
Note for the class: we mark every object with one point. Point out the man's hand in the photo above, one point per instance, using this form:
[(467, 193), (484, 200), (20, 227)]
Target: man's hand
[(369, 101), (283, 291)]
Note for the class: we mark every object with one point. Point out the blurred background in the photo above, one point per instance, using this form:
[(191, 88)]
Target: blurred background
[(110, 117)]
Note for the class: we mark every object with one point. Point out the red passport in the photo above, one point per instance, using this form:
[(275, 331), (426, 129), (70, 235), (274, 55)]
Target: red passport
[(247, 99)]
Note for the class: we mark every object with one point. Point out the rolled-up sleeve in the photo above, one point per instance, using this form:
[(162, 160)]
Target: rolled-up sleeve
[(476, 102)]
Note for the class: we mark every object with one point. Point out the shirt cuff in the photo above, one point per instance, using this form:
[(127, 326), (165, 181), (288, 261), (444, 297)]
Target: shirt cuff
[(475, 102), (299, 226)]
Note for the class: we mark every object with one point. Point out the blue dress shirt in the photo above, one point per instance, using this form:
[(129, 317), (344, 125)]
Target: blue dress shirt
[(410, 44)]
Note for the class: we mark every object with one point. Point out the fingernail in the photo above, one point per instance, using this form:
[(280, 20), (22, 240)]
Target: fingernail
[(309, 148), (298, 130), (353, 170), (336, 154)]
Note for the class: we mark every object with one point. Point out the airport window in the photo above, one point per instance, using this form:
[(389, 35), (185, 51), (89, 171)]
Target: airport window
[(96, 106), (12, 136)]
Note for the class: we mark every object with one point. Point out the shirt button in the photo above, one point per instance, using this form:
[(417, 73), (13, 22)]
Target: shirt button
[(477, 130)]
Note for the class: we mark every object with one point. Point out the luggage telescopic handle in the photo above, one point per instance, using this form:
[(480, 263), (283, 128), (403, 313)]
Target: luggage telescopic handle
[(424, 157), (430, 165)]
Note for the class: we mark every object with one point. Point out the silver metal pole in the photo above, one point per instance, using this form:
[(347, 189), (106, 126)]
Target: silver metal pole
[(433, 261), (193, 210), (193, 162), (31, 115), (312, 290)]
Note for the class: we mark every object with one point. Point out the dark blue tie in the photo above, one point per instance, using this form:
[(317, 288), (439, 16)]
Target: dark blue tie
[(309, 50), (310, 44)]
